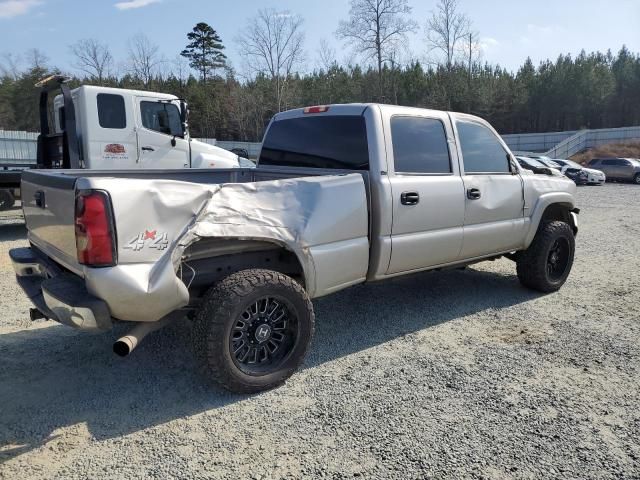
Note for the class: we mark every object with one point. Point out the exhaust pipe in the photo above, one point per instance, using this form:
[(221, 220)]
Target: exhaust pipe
[(125, 345)]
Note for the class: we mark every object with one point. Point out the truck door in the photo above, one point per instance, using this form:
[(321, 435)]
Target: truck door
[(493, 192), (428, 199), (161, 140)]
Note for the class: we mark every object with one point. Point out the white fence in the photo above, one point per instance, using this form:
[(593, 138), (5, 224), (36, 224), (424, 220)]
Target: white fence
[(17, 147), (535, 142)]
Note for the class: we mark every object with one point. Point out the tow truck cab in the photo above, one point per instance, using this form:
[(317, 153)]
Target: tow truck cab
[(111, 128)]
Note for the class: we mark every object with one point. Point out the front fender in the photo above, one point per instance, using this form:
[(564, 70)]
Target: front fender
[(544, 201)]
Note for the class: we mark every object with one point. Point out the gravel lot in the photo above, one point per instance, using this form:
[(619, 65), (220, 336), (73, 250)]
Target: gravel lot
[(462, 374)]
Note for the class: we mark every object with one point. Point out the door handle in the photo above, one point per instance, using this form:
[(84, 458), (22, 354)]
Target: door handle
[(147, 149), (409, 198), (473, 194)]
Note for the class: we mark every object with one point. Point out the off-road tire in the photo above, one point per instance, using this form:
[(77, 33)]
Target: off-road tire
[(532, 263), (7, 200), (221, 307)]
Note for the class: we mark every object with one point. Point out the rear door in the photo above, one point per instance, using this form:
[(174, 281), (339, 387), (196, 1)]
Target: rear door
[(625, 169), (158, 126), (493, 191), (427, 191)]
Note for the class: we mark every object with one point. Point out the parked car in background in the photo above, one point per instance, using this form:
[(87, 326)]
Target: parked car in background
[(585, 176), (627, 169), (550, 163)]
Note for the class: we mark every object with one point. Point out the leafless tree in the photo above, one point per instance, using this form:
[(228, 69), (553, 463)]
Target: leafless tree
[(181, 69), (376, 28), (326, 55), (447, 30), (144, 58), (10, 65), (272, 44), (36, 59), (93, 58)]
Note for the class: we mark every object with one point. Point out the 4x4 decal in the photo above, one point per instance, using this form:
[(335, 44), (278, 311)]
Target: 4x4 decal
[(149, 239)]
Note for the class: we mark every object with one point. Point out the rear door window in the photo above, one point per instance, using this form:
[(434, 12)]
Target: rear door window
[(111, 111), (338, 141), (482, 152), (419, 145)]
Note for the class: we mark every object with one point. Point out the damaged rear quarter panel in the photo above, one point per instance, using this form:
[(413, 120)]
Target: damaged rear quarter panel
[(322, 219)]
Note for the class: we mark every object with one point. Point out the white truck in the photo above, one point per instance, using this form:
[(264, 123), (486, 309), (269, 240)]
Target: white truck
[(343, 194), (103, 128)]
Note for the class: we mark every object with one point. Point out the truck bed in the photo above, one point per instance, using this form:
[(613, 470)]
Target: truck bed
[(320, 216)]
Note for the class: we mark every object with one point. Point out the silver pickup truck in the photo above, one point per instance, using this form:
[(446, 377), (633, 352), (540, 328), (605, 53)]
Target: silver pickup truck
[(343, 194)]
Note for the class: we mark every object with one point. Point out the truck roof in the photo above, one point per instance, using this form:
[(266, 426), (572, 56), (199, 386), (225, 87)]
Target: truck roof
[(122, 91), (357, 109)]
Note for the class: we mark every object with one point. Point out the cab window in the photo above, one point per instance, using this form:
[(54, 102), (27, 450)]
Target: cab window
[(481, 150), (111, 112), (419, 145), (161, 117)]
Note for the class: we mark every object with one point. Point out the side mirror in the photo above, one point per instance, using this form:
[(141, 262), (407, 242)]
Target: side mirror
[(184, 117)]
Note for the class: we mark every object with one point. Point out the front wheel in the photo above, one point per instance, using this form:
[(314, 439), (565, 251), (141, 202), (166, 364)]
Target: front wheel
[(546, 264), (636, 179), (253, 330)]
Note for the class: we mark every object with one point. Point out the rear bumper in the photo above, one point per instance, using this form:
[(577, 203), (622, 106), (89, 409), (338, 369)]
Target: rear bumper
[(59, 295)]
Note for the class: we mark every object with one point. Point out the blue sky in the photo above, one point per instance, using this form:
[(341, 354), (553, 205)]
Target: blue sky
[(510, 30)]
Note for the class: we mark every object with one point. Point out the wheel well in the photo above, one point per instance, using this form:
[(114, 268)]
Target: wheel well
[(210, 260), (557, 212)]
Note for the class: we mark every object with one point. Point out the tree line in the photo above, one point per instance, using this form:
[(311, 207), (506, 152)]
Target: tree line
[(591, 90)]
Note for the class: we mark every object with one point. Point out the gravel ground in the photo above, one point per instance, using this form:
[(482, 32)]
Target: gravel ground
[(461, 374)]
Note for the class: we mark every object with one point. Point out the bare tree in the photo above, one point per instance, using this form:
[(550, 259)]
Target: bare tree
[(180, 69), (10, 65), (376, 28), (93, 58), (272, 44), (144, 58), (446, 31), (326, 55), (36, 59)]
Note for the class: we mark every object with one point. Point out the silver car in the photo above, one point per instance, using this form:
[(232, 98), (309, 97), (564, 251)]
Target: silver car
[(627, 169)]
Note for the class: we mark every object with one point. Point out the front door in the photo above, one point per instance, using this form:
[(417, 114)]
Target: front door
[(493, 192), (427, 192), (158, 127)]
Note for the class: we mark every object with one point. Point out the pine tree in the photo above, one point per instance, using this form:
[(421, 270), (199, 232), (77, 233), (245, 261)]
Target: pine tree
[(204, 50)]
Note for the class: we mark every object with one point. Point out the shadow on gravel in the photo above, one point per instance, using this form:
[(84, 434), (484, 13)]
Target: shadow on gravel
[(55, 377), (13, 231)]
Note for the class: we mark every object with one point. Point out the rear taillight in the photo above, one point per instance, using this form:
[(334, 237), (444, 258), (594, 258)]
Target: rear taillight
[(95, 235)]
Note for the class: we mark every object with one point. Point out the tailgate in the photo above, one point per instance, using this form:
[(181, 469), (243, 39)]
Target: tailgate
[(48, 203)]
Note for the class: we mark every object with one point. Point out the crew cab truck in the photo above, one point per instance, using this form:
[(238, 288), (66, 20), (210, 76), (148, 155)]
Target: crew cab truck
[(342, 194), (113, 128)]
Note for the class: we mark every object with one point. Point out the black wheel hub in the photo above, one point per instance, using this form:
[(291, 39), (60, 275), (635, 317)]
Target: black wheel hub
[(558, 259), (263, 336)]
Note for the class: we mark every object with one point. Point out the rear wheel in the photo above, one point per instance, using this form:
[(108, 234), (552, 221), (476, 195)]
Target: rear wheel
[(546, 264), (253, 330), (7, 200)]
